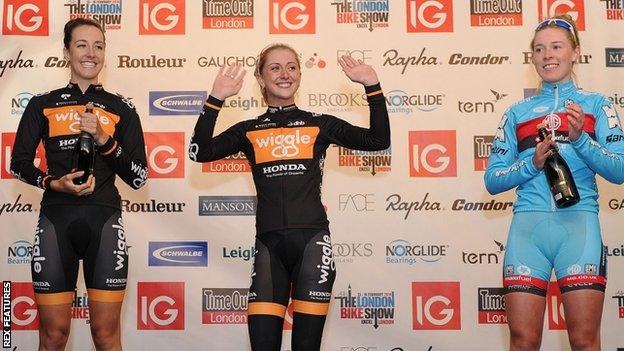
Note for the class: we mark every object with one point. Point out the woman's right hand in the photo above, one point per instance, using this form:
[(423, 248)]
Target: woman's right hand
[(228, 82), (542, 151), (65, 184)]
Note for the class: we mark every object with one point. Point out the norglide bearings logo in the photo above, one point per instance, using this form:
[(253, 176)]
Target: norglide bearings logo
[(372, 162), (371, 308), (366, 14)]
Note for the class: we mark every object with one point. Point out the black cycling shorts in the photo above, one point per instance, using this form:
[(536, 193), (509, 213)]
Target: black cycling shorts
[(292, 262), (66, 234)]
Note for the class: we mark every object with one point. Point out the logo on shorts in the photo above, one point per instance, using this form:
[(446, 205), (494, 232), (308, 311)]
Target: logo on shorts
[(574, 269), (523, 270), (327, 264), (369, 308)]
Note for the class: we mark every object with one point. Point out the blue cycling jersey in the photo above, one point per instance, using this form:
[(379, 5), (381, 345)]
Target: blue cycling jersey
[(599, 149)]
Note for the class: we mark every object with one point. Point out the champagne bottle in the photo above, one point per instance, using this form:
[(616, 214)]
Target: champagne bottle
[(558, 175), (84, 153)]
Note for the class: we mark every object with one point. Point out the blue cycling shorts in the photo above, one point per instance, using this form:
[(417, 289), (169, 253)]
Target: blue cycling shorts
[(569, 242)]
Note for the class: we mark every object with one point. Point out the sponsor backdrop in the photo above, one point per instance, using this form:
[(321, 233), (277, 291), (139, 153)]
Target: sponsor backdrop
[(418, 242)]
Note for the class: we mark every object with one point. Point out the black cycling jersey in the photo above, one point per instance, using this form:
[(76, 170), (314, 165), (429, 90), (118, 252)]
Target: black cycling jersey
[(286, 150), (53, 118)]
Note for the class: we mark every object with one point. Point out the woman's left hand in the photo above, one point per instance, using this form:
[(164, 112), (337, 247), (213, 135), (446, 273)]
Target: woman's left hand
[(89, 123), (576, 119), (357, 71)]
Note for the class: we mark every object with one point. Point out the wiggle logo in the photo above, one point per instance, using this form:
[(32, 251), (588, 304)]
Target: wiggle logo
[(25, 17), (161, 17), (160, 306), (65, 120), (436, 306), (429, 16), (165, 154), (292, 17), (574, 8), (432, 153), (23, 307), (8, 139), (283, 143)]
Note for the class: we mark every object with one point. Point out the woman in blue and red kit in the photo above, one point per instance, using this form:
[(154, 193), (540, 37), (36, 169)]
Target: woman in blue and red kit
[(80, 222), (286, 149), (586, 130)]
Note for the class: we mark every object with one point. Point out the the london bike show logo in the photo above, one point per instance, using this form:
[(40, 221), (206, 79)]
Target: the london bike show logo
[(372, 162), (366, 14), (224, 305), (369, 308), (614, 10), (228, 14), (178, 253), (106, 12)]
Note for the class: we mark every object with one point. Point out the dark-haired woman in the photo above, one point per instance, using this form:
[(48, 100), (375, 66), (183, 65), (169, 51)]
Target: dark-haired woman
[(80, 222)]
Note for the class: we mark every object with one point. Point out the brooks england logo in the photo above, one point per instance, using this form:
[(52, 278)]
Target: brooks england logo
[(284, 143)]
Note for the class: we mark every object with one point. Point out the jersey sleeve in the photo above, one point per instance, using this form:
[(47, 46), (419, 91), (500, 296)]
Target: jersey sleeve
[(205, 147), (27, 139), (505, 169), (124, 152), (376, 137), (605, 155)]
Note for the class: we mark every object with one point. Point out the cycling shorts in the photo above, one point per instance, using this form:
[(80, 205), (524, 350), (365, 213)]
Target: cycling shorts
[(66, 234), (301, 257), (568, 242)]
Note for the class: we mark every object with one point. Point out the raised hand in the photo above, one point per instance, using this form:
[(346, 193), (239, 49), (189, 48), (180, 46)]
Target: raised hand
[(357, 71), (228, 82), (576, 119)]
